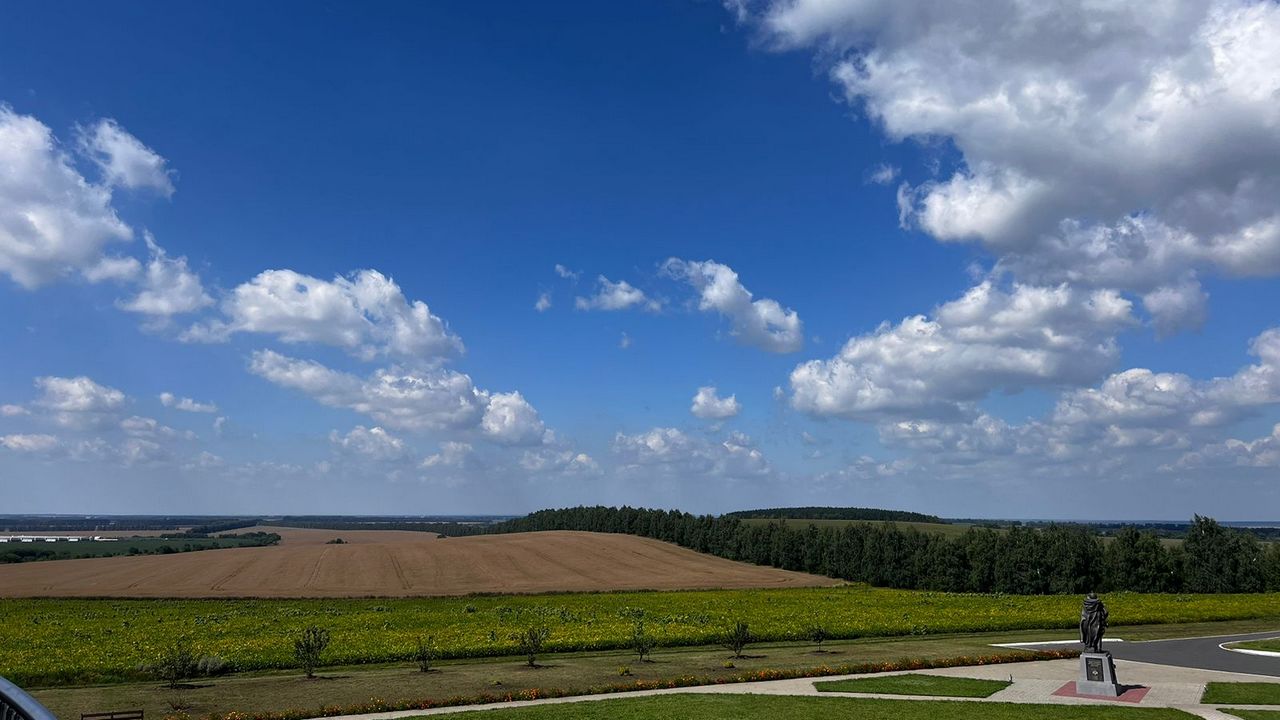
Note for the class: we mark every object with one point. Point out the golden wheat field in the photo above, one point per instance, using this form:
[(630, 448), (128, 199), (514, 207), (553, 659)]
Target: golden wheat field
[(391, 563)]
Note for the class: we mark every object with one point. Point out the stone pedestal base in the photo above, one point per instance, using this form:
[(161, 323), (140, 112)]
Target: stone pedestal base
[(1098, 675)]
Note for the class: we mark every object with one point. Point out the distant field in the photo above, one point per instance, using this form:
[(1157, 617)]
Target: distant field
[(123, 545), (948, 529), (388, 563), (56, 641)]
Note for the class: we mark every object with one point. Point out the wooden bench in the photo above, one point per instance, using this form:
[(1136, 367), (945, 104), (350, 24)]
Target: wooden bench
[(117, 715)]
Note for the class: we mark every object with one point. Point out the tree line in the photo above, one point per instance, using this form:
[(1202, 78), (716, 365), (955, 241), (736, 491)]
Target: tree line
[(1055, 559), (837, 513)]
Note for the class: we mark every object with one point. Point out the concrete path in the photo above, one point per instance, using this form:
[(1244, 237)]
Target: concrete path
[(1033, 683)]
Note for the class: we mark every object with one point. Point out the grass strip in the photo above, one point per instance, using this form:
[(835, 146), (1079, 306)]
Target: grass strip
[(767, 707), (1272, 645), (916, 684), (379, 705), (1241, 693)]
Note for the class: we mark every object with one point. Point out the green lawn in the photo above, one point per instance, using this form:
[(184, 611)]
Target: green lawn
[(579, 672), (766, 707), (1254, 693), (1273, 645), (1253, 714), (912, 684), (567, 673)]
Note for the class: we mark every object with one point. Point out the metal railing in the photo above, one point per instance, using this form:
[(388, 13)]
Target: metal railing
[(16, 704)]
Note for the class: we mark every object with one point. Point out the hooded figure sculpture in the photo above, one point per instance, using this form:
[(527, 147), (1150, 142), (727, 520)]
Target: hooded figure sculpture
[(1093, 623)]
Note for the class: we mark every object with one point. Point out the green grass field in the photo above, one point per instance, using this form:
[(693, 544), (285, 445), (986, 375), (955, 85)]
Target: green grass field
[(1253, 714), (1259, 693), (54, 641), (764, 707), (1272, 645), (913, 684)]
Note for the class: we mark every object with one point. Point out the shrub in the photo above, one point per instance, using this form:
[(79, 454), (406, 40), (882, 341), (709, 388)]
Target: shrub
[(736, 638), (624, 670), (176, 663), (818, 634), (641, 641), (530, 641), (211, 665), (308, 646), (425, 653)]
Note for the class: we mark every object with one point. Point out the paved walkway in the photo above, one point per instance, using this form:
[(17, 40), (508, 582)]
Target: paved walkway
[(1202, 653), (1205, 653), (1033, 683)]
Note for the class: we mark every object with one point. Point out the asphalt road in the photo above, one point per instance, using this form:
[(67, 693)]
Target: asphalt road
[(1202, 653)]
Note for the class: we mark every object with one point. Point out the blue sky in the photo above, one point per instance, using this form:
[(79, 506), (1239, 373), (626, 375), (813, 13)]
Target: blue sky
[(1089, 240)]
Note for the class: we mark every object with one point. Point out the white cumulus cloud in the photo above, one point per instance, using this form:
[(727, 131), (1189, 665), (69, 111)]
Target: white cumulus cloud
[(673, 452), (510, 419), (167, 288), (710, 406), (372, 442), (29, 443), (186, 404), (988, 340), (52, 220), (1081, 128), (762, 323), (619, 295), (123, 159), (404, 399), (366, 314), (78, 401)]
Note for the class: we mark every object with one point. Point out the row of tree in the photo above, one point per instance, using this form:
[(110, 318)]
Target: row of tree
[(1027, 561), (836, 513)]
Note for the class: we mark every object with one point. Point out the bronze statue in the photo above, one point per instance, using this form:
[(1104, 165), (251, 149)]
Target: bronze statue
[(1093, 623)]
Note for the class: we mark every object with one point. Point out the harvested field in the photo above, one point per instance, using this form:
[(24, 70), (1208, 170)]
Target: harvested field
[(390, 563)]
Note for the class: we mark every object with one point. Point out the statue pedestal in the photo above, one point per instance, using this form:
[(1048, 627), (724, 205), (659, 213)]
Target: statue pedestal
[(1098, 675)]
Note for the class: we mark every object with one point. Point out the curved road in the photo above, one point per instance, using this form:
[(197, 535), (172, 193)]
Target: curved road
[(1202, 653)]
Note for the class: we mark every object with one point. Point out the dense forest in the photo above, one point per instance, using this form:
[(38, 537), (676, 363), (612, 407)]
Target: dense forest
[(836, 513), (1027, 561)]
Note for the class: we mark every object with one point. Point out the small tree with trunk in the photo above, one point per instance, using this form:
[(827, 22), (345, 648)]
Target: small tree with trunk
[(425, 653), (529, 642), (818, 634), (736, 637), (308, 647), (641, 641)]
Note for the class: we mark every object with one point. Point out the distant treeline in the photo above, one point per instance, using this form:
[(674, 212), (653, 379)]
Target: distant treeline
[(1026, 561), (443, 528), (219, 526), (113, 523), (836, 513), (1169, 530)]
